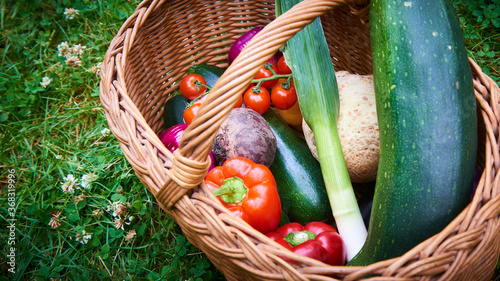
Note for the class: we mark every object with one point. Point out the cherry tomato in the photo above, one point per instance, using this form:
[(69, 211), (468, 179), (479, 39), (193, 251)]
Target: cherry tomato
[(283, 98), (188, 87), (190, 112), (266, 73), (259, 102), (239, 103), (282, 66)]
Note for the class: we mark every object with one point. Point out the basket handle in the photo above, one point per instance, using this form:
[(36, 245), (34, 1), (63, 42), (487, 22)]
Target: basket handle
[(191, 162)]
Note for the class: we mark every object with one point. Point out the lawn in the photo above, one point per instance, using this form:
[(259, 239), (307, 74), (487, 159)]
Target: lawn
[(80, 212)]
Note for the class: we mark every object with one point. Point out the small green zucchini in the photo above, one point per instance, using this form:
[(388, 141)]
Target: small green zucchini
[(298, 175)]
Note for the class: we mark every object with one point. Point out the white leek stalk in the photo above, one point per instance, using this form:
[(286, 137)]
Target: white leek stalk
[(308, 56)]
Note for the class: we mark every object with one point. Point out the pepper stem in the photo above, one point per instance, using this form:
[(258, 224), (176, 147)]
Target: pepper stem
[(232, 190), (296, 238)]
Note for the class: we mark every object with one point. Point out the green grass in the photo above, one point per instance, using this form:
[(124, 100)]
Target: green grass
[(480, 21), (49, 133)]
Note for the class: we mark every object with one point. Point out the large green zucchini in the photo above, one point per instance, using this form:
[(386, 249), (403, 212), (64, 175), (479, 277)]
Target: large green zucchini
[(428, 124)]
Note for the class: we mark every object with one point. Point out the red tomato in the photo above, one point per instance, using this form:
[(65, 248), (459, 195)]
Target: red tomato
[(282, 66), (259, 102), (239, 103), (190, 112), (283, 98), (266, 73), (188, 87)]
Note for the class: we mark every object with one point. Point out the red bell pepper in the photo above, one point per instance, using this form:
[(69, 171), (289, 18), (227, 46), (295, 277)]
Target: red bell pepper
[(316, 240), (248, 190)]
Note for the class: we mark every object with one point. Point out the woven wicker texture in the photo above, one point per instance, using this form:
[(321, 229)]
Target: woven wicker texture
[(142, 68)]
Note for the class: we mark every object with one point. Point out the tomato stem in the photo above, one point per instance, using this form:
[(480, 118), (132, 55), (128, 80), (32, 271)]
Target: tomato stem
[(274, 77), (199, 85), (286, 85), (255, 89), (270, 67)]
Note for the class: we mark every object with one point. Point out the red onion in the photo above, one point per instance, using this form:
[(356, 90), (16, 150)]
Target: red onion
[(241, 42), (171, 139)]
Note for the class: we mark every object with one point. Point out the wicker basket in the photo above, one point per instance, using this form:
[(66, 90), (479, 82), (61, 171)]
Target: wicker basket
[(153, 50)]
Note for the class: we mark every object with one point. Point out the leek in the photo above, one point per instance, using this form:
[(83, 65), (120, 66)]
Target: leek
[(308, 57)]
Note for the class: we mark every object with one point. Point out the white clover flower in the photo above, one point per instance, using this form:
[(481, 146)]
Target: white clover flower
[(88, 179), (45, 82), (130, 235), (55, 221), (118, 208), (96, 68), (113, 207), (64, 50), (105, 132), (70, 184), (73, 61), (80, 198), (78, 49), (97, 213), (70, 13), (84, 237), (119, 223)]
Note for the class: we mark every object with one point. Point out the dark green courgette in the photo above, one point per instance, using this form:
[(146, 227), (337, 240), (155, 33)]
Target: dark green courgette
[(428, 125), (173, 110), (298, 175)]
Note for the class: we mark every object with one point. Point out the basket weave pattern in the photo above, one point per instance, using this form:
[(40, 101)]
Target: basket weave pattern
[(151, 53)]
